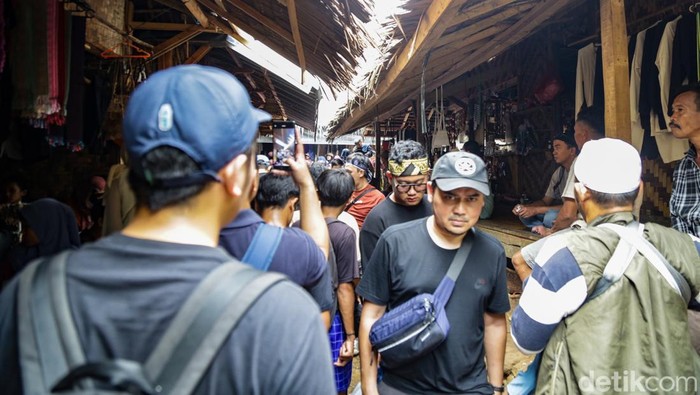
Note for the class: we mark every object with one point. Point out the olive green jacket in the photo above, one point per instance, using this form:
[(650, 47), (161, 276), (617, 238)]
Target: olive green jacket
[(633, 334)]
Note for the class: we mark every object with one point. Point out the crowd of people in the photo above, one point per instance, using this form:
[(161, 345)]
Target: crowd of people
[(605, 298)]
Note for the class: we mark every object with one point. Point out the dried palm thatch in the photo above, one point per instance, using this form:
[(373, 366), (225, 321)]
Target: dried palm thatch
[(450, 38)]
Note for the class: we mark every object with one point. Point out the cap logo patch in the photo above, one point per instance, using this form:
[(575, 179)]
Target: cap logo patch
[(165, 117), (465, 166)]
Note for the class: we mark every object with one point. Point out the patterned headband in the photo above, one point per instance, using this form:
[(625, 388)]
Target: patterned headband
[(409, 167), (361, 164)]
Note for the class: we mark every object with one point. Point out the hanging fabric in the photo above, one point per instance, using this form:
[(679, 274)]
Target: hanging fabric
[(585, 77), (440, 137)]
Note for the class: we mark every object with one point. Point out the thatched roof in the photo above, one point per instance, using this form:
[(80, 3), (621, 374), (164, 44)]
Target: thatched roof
[(323, 37), (449, 37)]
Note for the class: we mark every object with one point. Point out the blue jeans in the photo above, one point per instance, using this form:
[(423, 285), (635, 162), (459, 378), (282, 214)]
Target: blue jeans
[(546, 219)]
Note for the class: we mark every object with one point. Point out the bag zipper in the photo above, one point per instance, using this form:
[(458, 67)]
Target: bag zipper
[(426, 305)]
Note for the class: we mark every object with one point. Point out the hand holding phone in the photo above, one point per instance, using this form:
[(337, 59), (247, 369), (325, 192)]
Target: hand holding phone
[(284, 139)]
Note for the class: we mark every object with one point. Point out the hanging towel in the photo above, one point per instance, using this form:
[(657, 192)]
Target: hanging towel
[(670, 148), (585, 76)]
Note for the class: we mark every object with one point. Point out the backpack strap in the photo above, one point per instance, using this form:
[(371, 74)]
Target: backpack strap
[(203, 324), (357, 199), (668, 272), (49, 343), (263, 246)]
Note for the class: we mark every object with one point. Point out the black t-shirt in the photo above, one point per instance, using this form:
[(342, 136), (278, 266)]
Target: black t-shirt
[(406, 262), (124, 292), (384, 215), (343, 241)]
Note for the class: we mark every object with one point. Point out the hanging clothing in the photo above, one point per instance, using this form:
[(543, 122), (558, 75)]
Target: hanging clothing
[(670, 148), (649, 96), (685, 46), (637, 134), (585, 76)]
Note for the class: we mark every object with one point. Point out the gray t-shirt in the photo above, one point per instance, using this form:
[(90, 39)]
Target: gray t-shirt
[(124, 292), (570, 181), (406, 263), (557, 183)]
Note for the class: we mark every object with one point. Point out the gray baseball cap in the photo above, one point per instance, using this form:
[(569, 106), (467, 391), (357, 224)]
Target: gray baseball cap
[(461, 170)]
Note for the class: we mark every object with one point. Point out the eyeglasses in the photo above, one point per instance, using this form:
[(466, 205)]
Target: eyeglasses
[(418, 187)]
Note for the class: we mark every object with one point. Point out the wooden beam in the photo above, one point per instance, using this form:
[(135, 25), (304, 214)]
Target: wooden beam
[(220, 3), (197, 12), (515, 33), (274, 95), (613, 34), (456, 38), (165, 61), (292, 11), (432, 24), (224, 26), (405, 118), (480, 9), (137, 25), (175, 41), (247, 75), (199, 54), (262, 19)]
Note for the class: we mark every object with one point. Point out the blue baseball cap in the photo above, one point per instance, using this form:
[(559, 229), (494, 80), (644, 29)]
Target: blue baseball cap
[(203, 111)]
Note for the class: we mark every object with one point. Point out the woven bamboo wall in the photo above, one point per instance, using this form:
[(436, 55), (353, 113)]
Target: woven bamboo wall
[(535, 171), (531, 174), (658, 182)]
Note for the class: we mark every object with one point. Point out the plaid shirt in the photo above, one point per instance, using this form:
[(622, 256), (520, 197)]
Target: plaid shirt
[(685, 198)]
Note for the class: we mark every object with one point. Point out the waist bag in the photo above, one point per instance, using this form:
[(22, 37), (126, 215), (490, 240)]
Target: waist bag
[(53, 360), (419, 325)]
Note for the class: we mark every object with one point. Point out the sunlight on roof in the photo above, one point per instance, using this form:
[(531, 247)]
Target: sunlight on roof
[(384, 11), (262, 55), (267, 58)]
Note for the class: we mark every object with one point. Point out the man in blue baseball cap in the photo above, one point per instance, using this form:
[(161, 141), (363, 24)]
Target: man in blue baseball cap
[(189, 132)]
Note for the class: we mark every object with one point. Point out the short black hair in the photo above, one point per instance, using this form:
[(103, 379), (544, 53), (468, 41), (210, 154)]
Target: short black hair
[(337, 162), (614, 199), (567, 139), (164, 162), (473, 147), (16, 177), (594, 118), (316, 169), (695, 88), (275, 191), (407, 150), (335, 186)]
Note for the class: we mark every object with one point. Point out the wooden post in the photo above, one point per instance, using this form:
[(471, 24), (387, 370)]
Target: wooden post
[(377, 154), (616, 79)]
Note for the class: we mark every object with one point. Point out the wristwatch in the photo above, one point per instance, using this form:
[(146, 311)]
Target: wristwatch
[(500, 389)]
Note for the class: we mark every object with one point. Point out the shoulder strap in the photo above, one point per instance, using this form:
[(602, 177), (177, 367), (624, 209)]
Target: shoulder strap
[(447, 284), (357, 199), (203, 324), (263, 246), (49, 343), (668, 272)]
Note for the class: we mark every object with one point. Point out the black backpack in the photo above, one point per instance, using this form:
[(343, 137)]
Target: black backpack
[(52, 358)]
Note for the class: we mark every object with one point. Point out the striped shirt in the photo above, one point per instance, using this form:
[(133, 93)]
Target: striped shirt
[(555, 289), (685, 198)]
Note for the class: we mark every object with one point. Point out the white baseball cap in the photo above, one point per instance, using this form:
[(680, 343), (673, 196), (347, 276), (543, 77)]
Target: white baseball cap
[(609, 166)]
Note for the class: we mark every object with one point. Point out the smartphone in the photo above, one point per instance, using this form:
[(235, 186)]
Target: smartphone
[(284, 141)]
